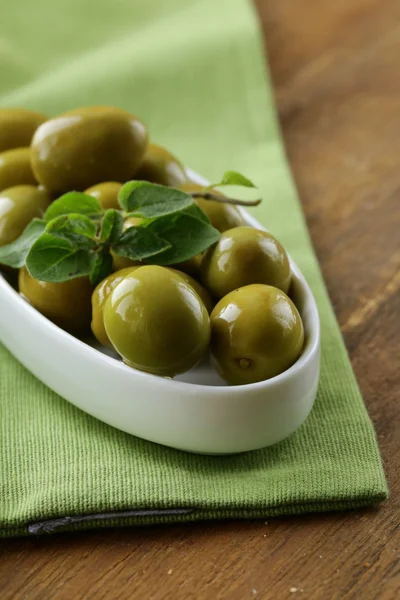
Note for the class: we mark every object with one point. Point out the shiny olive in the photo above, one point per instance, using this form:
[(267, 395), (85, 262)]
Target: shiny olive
[(190, 266), (242, 256), (18, 206), (86, 146), (106, 193), (17, 127), (105, 287), (99, 296), (157, 322), (51, 195), (256, 333), (15, 168), (67, 304), (222, 216), (160, 166), (198, 288), (122, 262)]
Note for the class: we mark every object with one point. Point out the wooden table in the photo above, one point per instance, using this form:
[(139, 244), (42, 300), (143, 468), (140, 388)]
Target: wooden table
[(336, 70)]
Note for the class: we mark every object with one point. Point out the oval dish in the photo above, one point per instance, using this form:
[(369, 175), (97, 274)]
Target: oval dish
[(196, 411)]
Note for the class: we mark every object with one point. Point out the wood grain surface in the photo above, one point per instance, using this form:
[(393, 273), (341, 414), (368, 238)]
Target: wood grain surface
[(335, 68)]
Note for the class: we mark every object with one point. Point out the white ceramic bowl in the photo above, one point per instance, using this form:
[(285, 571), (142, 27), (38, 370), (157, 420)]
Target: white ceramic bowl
[(196, 411)]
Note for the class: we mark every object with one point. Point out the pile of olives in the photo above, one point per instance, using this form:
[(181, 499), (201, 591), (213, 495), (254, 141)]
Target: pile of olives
[(231, 302)]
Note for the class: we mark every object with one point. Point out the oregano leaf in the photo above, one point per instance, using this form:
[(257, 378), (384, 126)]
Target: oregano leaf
[(56, 259), (150, 200), (233, 178), (139, 243), (102, 266), (14, 254), (75, 227), (195, 211), (111, 226), (74, 202), (186, 234)]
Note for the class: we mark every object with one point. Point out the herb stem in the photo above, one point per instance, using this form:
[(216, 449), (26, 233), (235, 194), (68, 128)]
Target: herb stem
[(224, 199)]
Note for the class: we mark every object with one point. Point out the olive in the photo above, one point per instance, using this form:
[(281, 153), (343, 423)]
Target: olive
[(105, 287), (157, 322), (160, 166), (17, 127), (198, 288), (99, 296), (256, 333), (18, 206), (67, 304), (242, 256), (190, 266), (122, 262), (106, 193), (15, 168), (222, 216), (51, 195), (86, 146)]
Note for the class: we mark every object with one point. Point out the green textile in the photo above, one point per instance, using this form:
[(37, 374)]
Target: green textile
[(194, 72)]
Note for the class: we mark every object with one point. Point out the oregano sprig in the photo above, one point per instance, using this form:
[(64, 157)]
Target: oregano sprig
[(229, 178), (76, 237)]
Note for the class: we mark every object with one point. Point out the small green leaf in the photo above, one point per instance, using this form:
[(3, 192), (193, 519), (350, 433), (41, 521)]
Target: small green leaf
[(150, 200), (76, 228), (102, 267), (111, 226), (186, 234), (74, 202), (56, 259), (14, 254), (127, 189), (138, 243), (195, 211), (233, 178)]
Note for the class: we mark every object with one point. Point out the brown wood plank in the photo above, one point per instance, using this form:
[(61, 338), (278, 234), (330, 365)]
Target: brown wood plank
[(335, 68)]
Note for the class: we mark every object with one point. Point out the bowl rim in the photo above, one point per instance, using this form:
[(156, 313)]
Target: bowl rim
[(308, 355)]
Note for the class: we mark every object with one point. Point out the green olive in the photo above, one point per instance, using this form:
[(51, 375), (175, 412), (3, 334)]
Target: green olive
[(198, 288), (67, 304), (191, 266), (242, 256), (18, 206), (17, 127), (99, 297), (86, 146), (51, 195), (222, 216), (105, 287), (157, 322), (122, 262), (160, 166), (15, 168), (106, 193), (256, 333)]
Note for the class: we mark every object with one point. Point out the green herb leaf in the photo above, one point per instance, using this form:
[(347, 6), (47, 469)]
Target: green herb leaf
[(56, 259), (186, 234), (74, 202), (102, 266), (111, 226), (233, 178), (138, 243), (78, 229), (14, 254), (150, 200), (195, 211)]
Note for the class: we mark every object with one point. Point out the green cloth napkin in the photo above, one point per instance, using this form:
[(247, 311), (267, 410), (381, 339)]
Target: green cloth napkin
[(194, 72)]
